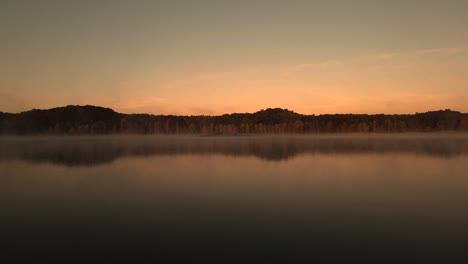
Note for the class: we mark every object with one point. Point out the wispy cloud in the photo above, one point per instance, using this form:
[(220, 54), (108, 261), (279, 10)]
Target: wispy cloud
[(370, 59), (447, 51), (323, 65), (202, 77), (376, 57)]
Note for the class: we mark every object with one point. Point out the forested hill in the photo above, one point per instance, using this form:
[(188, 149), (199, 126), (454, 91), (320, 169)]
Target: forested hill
[(100, 120)]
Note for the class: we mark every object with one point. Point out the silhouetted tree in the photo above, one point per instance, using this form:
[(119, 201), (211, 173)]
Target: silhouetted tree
[(99, 120)]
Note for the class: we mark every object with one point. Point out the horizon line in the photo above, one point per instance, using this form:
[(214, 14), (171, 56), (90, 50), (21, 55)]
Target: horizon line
[(262, 109)]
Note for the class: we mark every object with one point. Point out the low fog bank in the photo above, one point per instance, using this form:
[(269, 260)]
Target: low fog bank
[(94, 150)]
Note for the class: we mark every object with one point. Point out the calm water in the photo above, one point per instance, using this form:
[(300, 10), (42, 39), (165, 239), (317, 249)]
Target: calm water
[(377, 198)]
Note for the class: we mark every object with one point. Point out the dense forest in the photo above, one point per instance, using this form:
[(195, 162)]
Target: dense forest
[(100, 120)]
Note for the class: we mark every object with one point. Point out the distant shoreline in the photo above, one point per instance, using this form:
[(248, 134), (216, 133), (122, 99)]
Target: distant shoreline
[(90, 120)]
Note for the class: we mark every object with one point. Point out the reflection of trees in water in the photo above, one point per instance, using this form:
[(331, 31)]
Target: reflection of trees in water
[(88, 151)]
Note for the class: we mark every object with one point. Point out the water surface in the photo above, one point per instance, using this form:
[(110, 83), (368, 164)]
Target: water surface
[(373, 197)]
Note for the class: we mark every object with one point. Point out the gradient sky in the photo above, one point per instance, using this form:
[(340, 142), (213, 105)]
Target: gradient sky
[(214, 57)]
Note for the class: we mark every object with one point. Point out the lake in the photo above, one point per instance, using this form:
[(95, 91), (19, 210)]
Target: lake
[(329, 197)]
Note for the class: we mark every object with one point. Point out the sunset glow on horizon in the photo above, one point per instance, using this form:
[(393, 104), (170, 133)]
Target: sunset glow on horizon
[(216, 57)]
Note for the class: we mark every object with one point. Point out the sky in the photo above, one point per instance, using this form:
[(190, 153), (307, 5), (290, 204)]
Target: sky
[(214, 57)]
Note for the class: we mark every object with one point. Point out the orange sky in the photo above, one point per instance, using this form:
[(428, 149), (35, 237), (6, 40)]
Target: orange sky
[(215, 57)]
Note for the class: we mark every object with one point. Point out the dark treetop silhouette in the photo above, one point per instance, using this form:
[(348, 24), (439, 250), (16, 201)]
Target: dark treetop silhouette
[(99, 120)]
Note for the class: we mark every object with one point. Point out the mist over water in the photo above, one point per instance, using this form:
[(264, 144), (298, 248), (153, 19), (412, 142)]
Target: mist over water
[(96, 150), (329, 197)]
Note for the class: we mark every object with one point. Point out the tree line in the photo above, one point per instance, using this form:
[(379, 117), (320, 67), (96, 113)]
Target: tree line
[(99, 120)]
